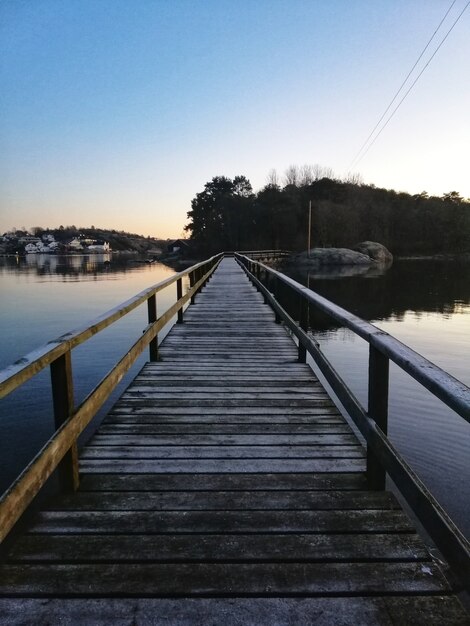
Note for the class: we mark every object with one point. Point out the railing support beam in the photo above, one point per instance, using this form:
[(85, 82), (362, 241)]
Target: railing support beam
[(179, 295), (378, 411), (63, 403), (303, 323), (152, 317)]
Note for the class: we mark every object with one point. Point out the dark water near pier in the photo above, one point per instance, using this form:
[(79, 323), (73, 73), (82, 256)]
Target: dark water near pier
[(425, 304)]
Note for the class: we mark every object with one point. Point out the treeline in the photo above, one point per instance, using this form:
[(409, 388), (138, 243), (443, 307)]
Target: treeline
[(228, 215), (118, 240)]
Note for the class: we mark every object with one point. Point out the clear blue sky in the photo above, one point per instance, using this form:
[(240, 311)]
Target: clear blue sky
[(115, 113)]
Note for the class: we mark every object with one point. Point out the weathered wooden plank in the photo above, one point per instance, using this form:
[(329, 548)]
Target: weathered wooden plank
[(113, 437), (221, 465), (129, 400), (221, 369), (222, 381), (216, 482), (232, 522), (219, 548), (131, 418), (226, 501), (142, 390), (238, 360), (272, 433), (222, 452), (266, 579), (232, 385), (427, 610), (288, 412), (269, 342)]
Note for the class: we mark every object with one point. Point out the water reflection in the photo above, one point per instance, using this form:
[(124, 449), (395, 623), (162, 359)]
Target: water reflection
[(421, 286), (94, 266)]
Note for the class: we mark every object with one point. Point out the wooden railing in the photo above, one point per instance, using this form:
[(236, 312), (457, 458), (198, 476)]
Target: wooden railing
[(382, 457), (260, 255), (60, 452)]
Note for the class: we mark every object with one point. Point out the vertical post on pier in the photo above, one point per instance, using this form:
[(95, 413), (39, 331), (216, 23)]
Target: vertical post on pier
[(63, 403), (378, 411), (277, 317), (192, 280), (152, 317), (303, 323), (179, 295), (309, 234), (196, 277)]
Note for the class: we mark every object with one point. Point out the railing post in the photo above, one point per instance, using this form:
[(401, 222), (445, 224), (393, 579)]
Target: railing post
[(179, 295), (191, 285), (265, 283), (63, 403), (152, 317), (277, 317), (378, 411), (303, 323)]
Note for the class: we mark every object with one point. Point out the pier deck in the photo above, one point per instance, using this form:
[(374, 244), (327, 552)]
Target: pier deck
[(224, 486)]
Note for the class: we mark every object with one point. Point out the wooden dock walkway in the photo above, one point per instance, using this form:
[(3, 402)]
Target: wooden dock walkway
[(224, 487)]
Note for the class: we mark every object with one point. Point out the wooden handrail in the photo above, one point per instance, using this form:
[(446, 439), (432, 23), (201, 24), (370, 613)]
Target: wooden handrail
[(71, 422), (258, 254), (382, 457)]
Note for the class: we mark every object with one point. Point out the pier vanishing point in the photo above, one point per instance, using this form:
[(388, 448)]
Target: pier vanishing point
[(225, 486)]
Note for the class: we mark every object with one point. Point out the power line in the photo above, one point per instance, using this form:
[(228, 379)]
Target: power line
[(401, 86), (359, 156), (412, 84)]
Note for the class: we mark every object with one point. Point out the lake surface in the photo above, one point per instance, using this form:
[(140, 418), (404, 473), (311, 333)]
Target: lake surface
[(425, 304)]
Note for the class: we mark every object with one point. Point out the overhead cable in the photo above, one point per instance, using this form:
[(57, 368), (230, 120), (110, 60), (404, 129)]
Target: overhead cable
[(402, 85), (360, 156)]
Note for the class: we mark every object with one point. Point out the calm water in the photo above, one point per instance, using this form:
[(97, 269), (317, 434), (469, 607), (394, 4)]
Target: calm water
[(426, 304)]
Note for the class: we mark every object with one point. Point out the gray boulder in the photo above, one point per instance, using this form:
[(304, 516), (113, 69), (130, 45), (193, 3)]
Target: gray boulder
[(376, 251), (320, 257)]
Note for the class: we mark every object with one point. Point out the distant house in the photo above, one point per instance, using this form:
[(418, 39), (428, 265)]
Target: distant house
[(75, 244), (102, 246), (180, 246), (25, 239)]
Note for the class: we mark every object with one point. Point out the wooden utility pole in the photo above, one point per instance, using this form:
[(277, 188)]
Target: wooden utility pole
[(309, 234)]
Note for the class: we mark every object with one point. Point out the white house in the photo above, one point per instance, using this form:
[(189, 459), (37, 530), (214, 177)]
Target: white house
[(99, 247), (75, 244)]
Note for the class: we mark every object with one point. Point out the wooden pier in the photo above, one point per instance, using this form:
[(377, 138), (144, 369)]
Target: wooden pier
[(224, 487)]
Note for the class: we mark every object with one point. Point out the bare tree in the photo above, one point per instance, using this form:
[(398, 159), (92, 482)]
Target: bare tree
[(272, 179), (319, 172), (354, 178), (292, 176), (306, 175)]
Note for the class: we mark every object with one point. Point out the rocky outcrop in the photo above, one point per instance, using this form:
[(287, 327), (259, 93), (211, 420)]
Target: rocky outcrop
[(376, 251), (320, 257), (366, 254)]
